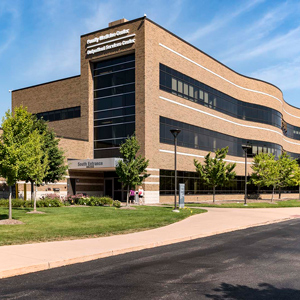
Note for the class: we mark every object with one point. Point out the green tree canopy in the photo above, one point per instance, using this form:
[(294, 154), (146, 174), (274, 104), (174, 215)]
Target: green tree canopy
[(215, 171), (29, 150), (265, 171), (132, 169), (15, 145)]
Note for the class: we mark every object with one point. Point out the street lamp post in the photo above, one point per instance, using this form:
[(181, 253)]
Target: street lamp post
[(246, 148), (175, 133)]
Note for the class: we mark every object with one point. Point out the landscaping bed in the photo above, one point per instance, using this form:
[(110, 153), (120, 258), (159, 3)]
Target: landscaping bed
[(61, 223)]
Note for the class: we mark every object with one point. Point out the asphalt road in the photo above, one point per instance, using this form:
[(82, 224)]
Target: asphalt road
[(256, 263)]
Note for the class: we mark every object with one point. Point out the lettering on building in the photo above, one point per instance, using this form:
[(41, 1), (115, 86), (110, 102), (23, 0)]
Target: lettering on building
[(107, 45)]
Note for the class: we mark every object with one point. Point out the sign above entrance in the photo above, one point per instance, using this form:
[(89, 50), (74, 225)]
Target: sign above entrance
[(106, 45), (99, 163)]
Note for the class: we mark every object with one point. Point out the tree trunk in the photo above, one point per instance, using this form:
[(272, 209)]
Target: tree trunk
[(32, 191), (280, 193), (258, 190), (127, 202), (10, 204), (214, 194), (272, 194), (34, 203)]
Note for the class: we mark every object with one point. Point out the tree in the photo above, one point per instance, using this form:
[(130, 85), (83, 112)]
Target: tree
[(50, 154), (215, 172), (286, 167), (276, 173), (29, 151), (37, 163), (56, 159), (132, 169), (265, 171), (14, 143), (296, 178)]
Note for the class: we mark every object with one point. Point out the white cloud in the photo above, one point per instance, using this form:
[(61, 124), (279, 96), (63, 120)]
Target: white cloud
[(284, 75), (221, 20), (281, 46), (250, 37)]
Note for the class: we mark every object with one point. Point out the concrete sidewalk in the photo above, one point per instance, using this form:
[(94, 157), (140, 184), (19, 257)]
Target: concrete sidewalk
[(22, 259)]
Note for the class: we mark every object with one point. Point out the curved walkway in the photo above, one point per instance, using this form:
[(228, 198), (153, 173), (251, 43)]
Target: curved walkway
[(22, 259)]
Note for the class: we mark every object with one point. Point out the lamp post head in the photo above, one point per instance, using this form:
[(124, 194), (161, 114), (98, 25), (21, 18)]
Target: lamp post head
[(175, 132), (246, 147)]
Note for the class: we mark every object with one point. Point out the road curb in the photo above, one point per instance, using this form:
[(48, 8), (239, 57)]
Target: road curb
[(82, 259)]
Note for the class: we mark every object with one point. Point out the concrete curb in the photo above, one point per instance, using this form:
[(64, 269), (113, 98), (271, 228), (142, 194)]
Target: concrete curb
[(82, 259)]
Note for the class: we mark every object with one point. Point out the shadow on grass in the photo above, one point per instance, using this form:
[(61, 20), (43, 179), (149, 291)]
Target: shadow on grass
[(264, 291), (3, 216)]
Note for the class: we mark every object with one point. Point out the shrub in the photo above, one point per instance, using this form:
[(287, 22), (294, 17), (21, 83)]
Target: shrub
[(75, 199), (95, 201), (39, 203), (106, 201), (117, 203), (15, 203), (51, 197), (48, 203)]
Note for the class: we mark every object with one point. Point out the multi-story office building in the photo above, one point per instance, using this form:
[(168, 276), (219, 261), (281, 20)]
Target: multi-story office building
[(138, 77)]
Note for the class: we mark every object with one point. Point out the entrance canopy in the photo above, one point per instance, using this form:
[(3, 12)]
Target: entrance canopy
[(99, 164)]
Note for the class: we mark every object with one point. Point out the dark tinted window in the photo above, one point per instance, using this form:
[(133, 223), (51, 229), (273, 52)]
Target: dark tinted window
[(201, 138), (60, 114), (186, 87), (114, 104)]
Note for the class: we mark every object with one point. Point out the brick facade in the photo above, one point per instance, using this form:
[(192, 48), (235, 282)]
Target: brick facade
[(154, 45)]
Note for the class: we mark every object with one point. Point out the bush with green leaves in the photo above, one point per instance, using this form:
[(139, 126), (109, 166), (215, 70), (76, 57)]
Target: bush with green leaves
[(49, 203), (39, 203), (107, 201), (117, 203)]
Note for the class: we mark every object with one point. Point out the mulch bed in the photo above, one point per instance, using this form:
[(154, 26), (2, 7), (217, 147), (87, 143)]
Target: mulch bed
[(11, 222)]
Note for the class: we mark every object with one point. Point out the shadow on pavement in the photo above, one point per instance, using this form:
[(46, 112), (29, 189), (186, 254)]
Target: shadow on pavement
[(264, 291)]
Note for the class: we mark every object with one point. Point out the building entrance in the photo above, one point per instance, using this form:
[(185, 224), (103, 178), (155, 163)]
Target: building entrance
[(109, 187)]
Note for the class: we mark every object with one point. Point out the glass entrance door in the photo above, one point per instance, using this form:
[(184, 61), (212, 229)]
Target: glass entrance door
[(109, 187)]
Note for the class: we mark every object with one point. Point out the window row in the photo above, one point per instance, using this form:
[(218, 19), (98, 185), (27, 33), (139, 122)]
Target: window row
[(194, 186), (204, 139), (112, 143), (115, 68), (116, 90), (114, 61), (109, 80), (115, 101), (114, 112), (109, 121), (114, 131), (60, 114), (186, 87)]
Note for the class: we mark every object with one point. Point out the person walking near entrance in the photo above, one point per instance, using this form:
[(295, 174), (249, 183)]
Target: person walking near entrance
[(131, 195), (141, 196)]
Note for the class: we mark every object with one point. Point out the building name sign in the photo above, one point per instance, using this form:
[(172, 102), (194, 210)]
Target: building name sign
[(111, 46), (91, 164), (107, 36), (123, 40), (98, 163)]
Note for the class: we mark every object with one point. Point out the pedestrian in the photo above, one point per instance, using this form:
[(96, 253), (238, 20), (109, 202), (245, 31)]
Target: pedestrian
[(141, 195), (131, 195)]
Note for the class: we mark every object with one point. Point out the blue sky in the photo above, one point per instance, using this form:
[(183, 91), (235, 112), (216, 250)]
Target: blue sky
[(39, 39)]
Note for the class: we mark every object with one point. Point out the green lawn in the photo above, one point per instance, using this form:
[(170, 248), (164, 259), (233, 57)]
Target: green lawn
[(82, 222), (275, 204)]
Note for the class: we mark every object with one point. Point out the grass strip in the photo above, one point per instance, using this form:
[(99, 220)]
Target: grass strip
[(275, 204), (61, 223)]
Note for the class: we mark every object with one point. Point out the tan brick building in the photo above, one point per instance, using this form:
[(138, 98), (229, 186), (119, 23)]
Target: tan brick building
[(138, 77)]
